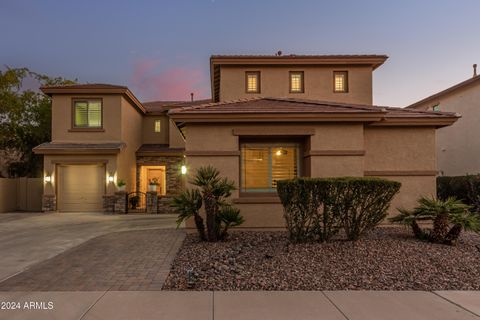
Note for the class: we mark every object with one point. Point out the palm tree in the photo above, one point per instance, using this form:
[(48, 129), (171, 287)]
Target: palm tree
[(442, 213), (213, 192)]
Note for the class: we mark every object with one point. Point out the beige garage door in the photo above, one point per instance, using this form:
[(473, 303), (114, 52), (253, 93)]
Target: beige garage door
[(80, 187)]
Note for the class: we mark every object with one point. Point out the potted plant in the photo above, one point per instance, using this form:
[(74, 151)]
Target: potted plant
[(121, 185), (152, 184)]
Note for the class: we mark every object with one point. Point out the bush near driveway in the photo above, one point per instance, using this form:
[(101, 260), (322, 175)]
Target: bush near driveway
[(464, 188), (315, 209)]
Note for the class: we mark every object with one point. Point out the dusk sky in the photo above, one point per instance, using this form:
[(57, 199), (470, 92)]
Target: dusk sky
[(161, 49)]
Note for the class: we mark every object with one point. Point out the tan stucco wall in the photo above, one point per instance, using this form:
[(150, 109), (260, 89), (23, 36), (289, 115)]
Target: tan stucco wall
[(387, 149), (399, 148), (458, 146), (318, 83), (62, 119), (175, 137), (148, 130), (131, 123)]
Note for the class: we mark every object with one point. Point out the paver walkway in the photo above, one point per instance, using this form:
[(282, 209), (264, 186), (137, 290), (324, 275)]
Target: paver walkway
[(304, 305), (26, 239), (129, 260)]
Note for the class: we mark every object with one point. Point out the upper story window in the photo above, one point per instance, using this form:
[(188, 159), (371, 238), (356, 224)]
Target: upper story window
[(252, 81), (263, 164), (296, 82), (158, 125), (87, 113), (340, 81)]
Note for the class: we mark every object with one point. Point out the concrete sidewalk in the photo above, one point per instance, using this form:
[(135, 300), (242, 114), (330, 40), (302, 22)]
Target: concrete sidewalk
[(232, 305)]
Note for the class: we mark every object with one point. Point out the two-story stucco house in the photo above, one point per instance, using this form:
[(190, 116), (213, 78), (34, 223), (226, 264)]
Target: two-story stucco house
[(458, 146), (270, 118)]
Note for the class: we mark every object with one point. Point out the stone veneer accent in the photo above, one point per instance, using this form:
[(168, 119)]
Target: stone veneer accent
[(49, 202), (108, 203), (120, 202), (173, 176)]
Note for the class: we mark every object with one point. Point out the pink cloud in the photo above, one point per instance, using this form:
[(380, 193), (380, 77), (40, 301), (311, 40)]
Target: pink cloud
[(173, 83)]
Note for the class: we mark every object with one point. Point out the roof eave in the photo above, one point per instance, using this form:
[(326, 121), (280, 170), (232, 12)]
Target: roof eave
[(96, 91), (419, 121)]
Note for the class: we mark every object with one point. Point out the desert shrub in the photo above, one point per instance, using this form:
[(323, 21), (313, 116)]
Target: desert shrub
[(448, 218), (317, 208), (212, 193), (361, 203), (464, 188)]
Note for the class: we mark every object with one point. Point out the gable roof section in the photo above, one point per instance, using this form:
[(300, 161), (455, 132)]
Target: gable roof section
[(440, 94), (95, 88), (216, 61), (295, 110), (160, 107)]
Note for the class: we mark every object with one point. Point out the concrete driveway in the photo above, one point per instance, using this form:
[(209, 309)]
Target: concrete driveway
[(28, 239)]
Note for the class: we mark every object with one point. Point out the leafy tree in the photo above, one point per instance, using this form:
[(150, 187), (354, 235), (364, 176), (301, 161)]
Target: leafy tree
[(25, 119), (212, 194)]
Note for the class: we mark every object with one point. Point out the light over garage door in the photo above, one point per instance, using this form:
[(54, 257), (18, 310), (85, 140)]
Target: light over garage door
[(80, 187)]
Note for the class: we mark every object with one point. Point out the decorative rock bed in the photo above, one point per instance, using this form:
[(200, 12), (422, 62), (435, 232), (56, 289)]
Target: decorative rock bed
[(389, 258)]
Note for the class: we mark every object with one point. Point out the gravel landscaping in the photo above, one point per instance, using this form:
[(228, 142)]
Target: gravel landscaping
[(389, 258)]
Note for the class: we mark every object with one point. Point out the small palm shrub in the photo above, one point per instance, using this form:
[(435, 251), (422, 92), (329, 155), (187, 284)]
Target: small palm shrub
[(448, 218), (316, 209), (212, 195)]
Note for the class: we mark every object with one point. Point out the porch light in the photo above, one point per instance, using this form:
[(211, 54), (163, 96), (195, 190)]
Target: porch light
[(184, 169), (111, 178), (48, 178)]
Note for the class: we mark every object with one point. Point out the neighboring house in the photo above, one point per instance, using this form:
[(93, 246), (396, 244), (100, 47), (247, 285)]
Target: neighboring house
[(458, 146), (271, 118)]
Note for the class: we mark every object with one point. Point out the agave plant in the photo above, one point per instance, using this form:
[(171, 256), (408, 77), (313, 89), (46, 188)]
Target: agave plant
[(449, 217), (213, 192)]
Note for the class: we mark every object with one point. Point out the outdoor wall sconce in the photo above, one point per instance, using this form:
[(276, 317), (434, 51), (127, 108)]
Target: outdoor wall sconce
[(110, 178), (48, 179), (184, 169)]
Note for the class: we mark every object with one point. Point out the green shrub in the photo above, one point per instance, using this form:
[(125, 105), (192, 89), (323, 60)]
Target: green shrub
[(464, 188), (212, 193), (317, 208), (448, 217)]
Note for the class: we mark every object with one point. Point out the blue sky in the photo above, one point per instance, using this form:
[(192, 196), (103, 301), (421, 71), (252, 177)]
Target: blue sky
[(160, 49)]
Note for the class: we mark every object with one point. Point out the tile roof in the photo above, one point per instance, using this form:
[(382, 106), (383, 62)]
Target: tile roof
[(164, 106), (147, 148), (51, 147), (86, 86), (309, 108), (446, 91), (299, 56)]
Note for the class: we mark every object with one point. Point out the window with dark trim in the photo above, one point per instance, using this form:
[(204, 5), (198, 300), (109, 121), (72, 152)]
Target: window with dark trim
[(87, 113), (296, 82), (252, 81), (263, 164), (340, 81), (158, 125)]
